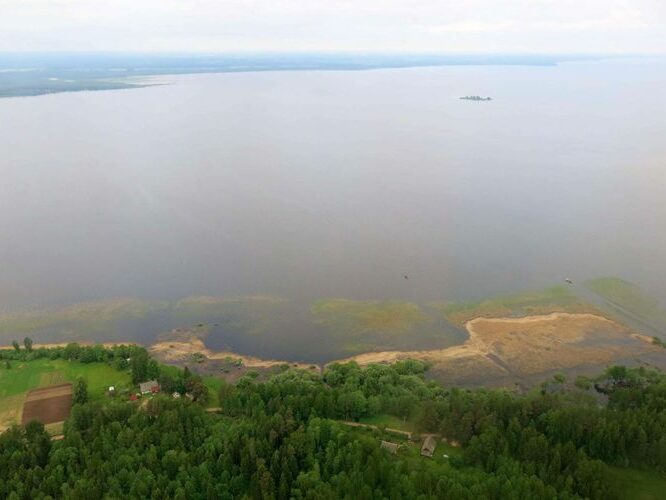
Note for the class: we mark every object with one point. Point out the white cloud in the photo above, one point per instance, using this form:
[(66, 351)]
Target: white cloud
[(416, 25)]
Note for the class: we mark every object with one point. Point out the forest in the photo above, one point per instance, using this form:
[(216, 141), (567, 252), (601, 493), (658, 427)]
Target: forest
[(287, 437)]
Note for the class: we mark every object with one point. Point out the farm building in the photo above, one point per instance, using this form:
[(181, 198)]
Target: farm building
[(428, 448), (390, 447), (150, 387)]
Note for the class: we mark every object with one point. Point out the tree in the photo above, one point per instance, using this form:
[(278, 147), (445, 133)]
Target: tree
[(16, 345), (139, 365), (81, 391), (195, 386), (27, 342)]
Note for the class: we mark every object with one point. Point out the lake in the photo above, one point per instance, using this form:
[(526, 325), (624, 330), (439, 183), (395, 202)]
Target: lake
[(309, 185)]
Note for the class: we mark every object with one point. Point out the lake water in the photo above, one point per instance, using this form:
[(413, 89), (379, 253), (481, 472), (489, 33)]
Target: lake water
[(337, 184)]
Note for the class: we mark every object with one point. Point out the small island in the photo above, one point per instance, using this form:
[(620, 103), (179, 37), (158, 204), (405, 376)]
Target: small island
[(476, 98)]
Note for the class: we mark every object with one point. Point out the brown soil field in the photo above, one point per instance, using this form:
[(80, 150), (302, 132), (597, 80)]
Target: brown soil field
[(502, 351), (48, 404)]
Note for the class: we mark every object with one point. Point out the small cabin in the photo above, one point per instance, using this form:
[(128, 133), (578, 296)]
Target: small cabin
[(428, 447), (390, 447), (150, 387)]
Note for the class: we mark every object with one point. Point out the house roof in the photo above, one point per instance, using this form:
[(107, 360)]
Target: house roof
[(428, 448), (391, 447), (148, 386)]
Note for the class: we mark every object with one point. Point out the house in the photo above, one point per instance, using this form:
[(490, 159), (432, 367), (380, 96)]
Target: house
[(428, 447), (390, 447), (150, 387), (112, 390)]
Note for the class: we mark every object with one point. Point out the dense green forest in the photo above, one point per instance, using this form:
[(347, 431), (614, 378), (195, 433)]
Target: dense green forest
[(284, 438)]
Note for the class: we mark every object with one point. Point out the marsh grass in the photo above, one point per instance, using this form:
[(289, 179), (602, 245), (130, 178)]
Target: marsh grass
[(549, 300), (628, 296)]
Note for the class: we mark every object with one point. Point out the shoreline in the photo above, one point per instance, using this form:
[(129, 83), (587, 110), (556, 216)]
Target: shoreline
[(502, 349), (485, 351), (183, 350), (52, 345)]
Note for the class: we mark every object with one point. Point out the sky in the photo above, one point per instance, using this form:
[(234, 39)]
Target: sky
[(441, 26)]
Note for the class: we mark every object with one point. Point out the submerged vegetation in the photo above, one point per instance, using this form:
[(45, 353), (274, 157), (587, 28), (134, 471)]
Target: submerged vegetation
[(378, 325), (549, 300), (630, 298)]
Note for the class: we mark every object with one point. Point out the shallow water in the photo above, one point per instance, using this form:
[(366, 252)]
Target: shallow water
[(336, 184)]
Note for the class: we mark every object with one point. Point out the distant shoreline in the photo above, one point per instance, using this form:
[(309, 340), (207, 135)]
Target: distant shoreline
[(35, 74)]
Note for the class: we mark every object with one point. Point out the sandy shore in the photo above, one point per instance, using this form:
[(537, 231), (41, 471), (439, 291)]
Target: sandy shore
[(519, 347), (180, 350)]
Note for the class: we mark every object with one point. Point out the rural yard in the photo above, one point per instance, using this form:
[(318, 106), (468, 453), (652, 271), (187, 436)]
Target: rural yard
[(27, 384)]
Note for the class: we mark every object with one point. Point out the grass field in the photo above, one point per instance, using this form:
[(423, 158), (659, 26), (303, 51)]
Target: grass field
[(24, 376), (636, 484), (213, 384), (389, 421), (549, 300)]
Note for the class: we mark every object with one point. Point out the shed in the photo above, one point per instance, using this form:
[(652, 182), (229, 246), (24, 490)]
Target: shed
[(428, 447), (149, 387), (390, 447)]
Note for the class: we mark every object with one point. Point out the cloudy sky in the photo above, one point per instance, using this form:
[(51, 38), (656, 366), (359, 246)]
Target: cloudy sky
[(581, 26)]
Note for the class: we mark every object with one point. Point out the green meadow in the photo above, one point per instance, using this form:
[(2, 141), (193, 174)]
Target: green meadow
[(637, 484), (23, 376)]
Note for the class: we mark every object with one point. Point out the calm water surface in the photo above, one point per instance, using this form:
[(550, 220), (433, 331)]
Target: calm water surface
[(337, 184)]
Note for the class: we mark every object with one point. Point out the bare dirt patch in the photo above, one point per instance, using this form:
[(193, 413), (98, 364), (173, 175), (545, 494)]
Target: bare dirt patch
[(48, 404), (555, 341)]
